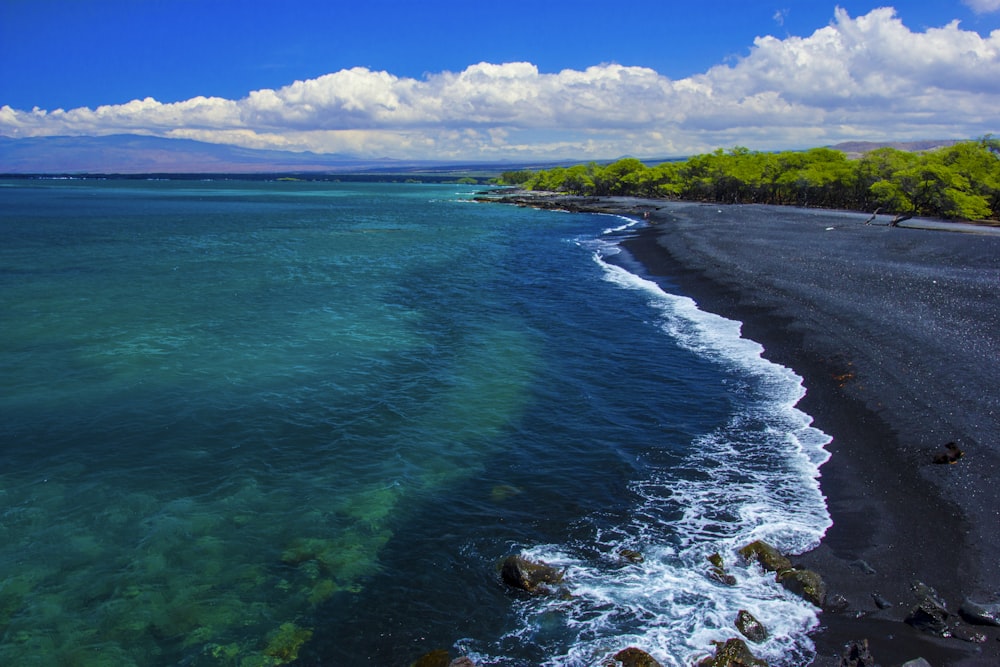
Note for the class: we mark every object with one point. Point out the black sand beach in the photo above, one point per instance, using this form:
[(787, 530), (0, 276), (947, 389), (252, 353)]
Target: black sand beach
[(896, 331)]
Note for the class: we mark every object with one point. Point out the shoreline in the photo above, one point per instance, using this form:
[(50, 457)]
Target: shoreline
[(896, 333)]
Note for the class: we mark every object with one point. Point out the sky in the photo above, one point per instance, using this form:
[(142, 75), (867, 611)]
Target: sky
[(552, 79)]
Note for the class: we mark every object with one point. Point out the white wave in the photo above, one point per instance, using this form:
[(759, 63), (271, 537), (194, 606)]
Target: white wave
[(629, 223), (755, 478)]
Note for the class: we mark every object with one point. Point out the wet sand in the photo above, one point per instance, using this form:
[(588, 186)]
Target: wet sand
[(896, 332)]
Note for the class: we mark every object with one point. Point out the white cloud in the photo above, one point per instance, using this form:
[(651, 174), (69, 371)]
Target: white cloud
[(983, 6), (857, 78)]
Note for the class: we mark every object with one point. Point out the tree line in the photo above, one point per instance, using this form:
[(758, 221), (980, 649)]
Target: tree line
[(957, 182)]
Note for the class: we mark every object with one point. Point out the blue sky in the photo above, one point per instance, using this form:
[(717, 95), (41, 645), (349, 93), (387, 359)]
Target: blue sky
[(223, 71)]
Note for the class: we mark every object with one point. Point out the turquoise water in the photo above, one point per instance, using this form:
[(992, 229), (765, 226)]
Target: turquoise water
[(255, 423)]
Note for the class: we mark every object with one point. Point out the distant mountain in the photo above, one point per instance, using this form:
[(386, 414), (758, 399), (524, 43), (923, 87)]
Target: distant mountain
[(859, 148), (136, 154)]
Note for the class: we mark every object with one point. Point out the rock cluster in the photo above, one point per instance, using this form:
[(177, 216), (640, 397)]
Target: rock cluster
[(931, 615), (805, 583)]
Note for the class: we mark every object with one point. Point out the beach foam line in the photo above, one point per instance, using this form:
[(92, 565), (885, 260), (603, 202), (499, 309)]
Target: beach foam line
[(756, 477)]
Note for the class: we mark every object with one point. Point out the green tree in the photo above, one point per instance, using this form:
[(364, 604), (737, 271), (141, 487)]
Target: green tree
[(516, 177)]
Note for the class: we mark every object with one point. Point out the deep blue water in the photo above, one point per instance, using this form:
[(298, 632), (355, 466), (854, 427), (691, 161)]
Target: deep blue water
[(241, 421)]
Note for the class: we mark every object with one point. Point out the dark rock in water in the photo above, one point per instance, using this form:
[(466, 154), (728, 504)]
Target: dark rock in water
[(438, 658), (769, 558), (631, 555), (856, 654), (718, 571), (950, 455), (634, 657), (881, 602), (734, 653), (929, 616), (806, 584), (750, 627), (530, 576), (979, 614)]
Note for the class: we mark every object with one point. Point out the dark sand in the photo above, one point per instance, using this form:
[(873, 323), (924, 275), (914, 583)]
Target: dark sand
[(896, 332)]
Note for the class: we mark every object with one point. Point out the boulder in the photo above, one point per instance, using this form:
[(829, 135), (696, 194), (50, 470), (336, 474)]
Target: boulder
[(950, 455), (916, 662), (880, 601), (750, 627), (979, 614), (929, 616), (734, 653), (856, 654), (631, 555), (634, 657), (769, 558), (836, 603), (806, 584), (531, 576), (718, 571)]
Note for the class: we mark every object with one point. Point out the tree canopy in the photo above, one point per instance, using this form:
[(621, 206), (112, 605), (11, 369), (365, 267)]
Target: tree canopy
[(958, 182)]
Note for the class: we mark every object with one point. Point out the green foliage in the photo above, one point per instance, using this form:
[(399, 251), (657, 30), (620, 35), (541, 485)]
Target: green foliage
[(516, 177), (959, 182)]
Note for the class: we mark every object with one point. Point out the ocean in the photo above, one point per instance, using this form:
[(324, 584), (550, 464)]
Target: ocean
[(276, 422)]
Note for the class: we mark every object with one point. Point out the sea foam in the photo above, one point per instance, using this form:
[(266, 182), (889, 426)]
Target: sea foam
[(756, 477)]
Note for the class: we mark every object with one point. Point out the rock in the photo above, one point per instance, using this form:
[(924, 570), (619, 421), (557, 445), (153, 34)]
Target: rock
[(836, 603), (950, 455), (967, 635), (634, 657), (631, 555), (768, 557), (929, 616), (916, 662), (283, 644), (464, 661), (856, 654), (806, 584), (734, 653), (863, 566), (718, 571), (437, 658), (526, 575), (881, 602), (922, 590), (978, 614), (750, 627)]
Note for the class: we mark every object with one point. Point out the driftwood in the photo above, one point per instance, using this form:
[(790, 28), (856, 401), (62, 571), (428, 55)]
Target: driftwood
[(892, 223), (900, 218)]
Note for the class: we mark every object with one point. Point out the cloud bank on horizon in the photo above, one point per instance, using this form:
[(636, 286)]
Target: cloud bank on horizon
[(859, 78)]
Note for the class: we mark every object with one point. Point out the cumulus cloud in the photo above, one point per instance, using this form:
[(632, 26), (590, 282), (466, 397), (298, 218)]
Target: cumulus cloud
[(857, 78)]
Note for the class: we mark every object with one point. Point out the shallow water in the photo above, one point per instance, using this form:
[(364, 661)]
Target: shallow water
[(248, 421)]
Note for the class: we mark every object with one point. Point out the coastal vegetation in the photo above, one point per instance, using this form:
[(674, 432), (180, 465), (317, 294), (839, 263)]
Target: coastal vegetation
[(959, 182)]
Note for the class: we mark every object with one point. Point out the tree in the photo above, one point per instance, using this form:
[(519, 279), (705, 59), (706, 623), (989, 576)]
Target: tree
[(962, 181)]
